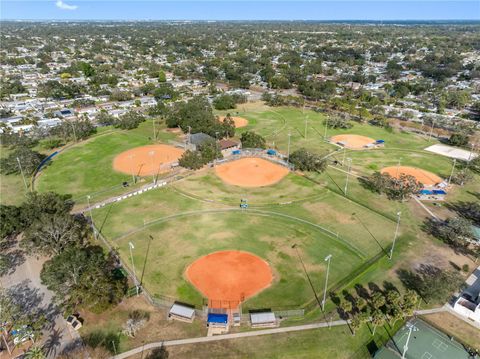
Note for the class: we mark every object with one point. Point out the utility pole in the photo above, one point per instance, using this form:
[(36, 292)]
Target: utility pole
[(91, 218), (131, 246), (453, 169), (431, 131), (395, 235), (154, 131), (328, 260), (349, 160), (74, 133), (132, 168), (411, 328), (216, 149), (306, 126), (23, 175), (152, 154), (326, 127), (288, 148)]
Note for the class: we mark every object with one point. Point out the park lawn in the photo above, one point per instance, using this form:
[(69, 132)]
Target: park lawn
[(208, 186), (276, 123), (368, 161), (118, 218), (12, 190), (367, 231), (180, 241), (336, 342), (86, 168)]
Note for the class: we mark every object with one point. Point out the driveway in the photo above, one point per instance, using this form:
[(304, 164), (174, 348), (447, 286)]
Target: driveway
[(25, 287)]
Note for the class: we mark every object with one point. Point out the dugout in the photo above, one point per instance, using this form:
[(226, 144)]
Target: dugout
[(181, 312), (263, 320)]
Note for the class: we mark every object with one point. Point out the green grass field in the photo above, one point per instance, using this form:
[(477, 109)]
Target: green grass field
[(86, 168)]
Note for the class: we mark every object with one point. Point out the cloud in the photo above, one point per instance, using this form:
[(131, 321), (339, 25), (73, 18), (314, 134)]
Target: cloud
[(61, 5)]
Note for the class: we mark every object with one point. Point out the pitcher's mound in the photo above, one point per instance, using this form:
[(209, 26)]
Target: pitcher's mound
[(147, 160), (424, 177), (251, 172), (239, 121), (227, 278), (354, 142)]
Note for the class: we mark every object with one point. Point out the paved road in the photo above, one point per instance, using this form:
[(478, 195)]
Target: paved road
[(229, 336), (25, 287)]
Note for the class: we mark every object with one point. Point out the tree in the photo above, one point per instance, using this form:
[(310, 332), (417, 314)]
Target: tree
[(250, 139), (378, 318), (458, 139), (355, 323), (210, 151), (11, 221), (456, 231), (35, 353), (29, 161), (191, 159), (103, 118), (161, 76), (304, 160), (396, 189), (346, 306), (468, 210), (129, 120), (46, 203), (52, 234), (431, 283), (337, 122), (158, 353), (84, 277), (378, 300), (224, 102)]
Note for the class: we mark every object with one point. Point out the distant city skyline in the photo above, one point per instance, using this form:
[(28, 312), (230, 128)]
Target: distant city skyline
[(239, 10)]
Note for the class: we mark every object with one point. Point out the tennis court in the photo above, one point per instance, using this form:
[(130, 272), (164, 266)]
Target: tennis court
[(425, 342)]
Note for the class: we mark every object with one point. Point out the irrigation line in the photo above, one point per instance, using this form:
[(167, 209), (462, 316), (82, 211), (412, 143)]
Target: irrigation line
[(329, 233)]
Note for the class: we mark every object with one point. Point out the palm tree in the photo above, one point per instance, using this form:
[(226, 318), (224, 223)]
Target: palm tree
[(356, 323), (378, 300), (377, 319), (35, 353)]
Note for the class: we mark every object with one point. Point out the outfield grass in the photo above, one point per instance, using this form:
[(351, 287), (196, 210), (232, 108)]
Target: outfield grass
[(207, 185), (86, 168), (179, 242)]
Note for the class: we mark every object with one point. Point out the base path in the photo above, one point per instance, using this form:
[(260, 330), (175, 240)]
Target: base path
[(147, 160), (424, 177), (227, 278), (239, 121), (354, 142), (251, 172)]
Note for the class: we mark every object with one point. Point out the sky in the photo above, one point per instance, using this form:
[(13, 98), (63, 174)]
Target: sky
[(240, 10)]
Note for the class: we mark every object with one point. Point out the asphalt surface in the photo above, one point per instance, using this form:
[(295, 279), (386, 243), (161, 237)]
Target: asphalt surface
[(25, 287)]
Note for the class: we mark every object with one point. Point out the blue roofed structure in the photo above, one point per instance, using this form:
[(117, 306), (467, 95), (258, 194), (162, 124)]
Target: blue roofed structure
[(214, 318)]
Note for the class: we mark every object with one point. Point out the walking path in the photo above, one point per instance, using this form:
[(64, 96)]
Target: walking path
[(254, 333), (425, 207), (229, 336)]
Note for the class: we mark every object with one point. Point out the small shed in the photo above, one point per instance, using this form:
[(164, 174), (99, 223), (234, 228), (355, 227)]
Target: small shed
[(263, 320), (217, 320), (182, 313)]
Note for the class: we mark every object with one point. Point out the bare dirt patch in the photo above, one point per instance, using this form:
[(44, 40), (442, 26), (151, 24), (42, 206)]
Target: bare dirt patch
[(147, 160), (251, 172), (354, 142), (424, 177), (227, 278), (239, 121)]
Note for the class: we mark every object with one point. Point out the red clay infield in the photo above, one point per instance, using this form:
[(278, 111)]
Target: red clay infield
[(147, 160), (227, 278), (251, 172), (354, 142), (424, 177), (239, 121)]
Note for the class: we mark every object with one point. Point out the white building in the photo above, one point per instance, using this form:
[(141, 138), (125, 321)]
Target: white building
[(468, 303)]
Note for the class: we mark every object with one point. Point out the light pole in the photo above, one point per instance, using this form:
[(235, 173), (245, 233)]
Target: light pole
[(288, 148), (328, 260), (398, 168), (349, 160), (344, 154), (152, 154), (132, 168), (23, 175), (395, 235), (145, 261), (154, 131), (131, 246), (411, 328), (91, 218), (306, 126), (453, 169)]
